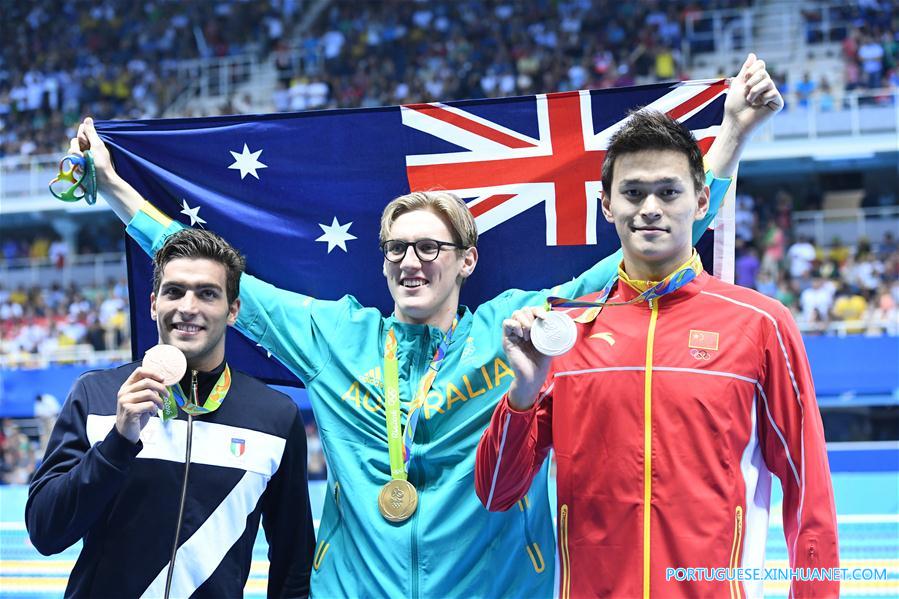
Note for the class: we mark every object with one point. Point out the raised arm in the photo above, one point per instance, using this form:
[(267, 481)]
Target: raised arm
[(752, 101), (118, 193)]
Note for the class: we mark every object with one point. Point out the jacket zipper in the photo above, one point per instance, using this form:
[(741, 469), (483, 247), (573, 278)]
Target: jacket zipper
[(647, 442), (531, 546), (324, 545), (421, 365), (190, 436), (735, 586), (565, 578)]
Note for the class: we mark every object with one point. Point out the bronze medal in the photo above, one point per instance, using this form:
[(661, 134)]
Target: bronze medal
[(397, 500)]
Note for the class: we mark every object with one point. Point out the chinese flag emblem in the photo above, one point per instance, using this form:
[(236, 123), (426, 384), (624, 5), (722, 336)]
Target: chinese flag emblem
[(703, 340)]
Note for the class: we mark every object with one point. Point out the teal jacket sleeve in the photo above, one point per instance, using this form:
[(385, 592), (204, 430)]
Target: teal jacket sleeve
[(295, 328), (600, 274)]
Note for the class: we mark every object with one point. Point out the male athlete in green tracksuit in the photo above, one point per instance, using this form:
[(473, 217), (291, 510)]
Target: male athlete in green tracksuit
[(450, 546)]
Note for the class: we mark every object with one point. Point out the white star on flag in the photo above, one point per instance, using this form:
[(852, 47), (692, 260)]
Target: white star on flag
[(192, 213), (247, 162), (336, 235)]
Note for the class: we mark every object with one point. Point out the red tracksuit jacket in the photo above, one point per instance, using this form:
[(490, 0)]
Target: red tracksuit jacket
[(684, 405)]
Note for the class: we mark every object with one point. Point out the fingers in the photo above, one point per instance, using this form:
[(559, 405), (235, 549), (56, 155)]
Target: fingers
[(142, 372), (142, 396), (75, 147), (773, 100), (136, 410), (519, 324), (141, 386), (765, 93), (91, 133), (750, 60)]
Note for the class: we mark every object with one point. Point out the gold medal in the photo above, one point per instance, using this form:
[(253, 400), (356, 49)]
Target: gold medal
[(397, 500)]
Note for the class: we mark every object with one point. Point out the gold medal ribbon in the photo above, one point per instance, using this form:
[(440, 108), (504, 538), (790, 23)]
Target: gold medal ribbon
[(177, 399), (649, 290), (399, 442)]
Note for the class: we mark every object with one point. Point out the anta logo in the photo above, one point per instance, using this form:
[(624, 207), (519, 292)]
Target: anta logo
[(607, 337), (441, 398)]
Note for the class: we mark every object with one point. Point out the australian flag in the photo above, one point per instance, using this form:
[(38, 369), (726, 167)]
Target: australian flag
[(301, 194)]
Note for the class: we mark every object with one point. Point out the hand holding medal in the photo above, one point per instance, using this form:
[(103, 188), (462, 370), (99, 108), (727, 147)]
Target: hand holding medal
[(531, 338), (170, 365), (142, 394)]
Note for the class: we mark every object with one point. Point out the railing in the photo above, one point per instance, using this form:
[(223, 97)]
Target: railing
[(845, 328), (744, 30), (214, 78), (92, 270), (853, 114), (76, 354), (848, 224), (857, 114), (717, 31)]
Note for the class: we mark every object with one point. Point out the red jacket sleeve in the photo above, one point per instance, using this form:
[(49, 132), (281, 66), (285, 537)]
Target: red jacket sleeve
[(792, 438), (512, 450)]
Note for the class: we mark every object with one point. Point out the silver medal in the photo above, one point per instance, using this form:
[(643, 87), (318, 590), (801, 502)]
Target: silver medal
[(554, 334)]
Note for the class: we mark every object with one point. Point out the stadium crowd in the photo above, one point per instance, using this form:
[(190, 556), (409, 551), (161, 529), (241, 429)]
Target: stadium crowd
[(114, 58), (39, 321), (369, 53), (835, 287)]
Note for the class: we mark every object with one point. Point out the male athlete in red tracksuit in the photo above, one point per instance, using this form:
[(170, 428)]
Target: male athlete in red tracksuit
[(671, 412), (687, 405)]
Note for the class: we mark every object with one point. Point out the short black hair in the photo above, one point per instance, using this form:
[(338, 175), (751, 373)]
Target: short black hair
[(653, 130), (199, 243)]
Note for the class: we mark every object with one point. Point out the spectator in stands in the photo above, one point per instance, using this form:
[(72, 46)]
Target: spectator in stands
[(887, 246), (801, 257), (51, 73), (826, 100), (745, 218), (747, 265), (815, 303), (773, 242), (805, 89), (767, 285), (850, 307), (46, 410), (884, 315), (45, 321), (870, 53)]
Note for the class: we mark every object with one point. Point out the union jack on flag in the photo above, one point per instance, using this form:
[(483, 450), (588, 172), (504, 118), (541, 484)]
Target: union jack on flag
[(301, 194), (506, 172)]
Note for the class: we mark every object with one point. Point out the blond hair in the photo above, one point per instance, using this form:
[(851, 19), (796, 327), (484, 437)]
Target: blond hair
[(441, 203)]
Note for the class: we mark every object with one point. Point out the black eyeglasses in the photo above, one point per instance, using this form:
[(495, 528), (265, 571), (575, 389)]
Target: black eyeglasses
[(427, 250)]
